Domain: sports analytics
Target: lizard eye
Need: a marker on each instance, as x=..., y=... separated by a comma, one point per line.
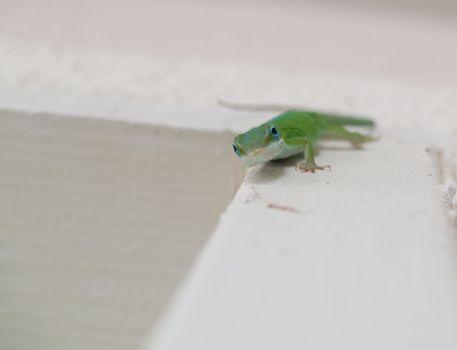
x=236, y=150
x=274, y=133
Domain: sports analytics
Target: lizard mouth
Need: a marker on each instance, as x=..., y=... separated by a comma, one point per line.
x=264, y=154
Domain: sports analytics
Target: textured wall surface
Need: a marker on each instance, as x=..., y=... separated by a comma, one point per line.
x=99, y=221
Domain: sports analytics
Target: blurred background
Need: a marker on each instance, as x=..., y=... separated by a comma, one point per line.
x=356, y=55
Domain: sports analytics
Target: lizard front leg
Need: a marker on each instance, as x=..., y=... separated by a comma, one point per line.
x=309, y=164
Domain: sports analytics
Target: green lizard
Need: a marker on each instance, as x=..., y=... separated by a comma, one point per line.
x=296, y=131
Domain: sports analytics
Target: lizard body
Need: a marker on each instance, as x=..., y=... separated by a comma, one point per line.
x=293, y=132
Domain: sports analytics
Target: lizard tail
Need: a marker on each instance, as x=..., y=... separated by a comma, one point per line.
x=335, y=119
x=344, y=120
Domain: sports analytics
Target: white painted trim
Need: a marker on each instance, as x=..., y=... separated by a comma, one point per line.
x=360, y=257
x=110, y=108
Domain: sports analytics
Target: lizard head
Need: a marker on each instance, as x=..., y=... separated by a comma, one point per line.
x=259, y=144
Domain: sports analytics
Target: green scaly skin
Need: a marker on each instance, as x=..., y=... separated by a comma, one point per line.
x=296, y=131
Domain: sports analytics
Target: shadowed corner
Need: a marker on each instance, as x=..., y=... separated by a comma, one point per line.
x=272, y=170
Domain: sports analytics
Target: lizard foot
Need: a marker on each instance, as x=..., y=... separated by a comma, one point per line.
x=305, y=167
